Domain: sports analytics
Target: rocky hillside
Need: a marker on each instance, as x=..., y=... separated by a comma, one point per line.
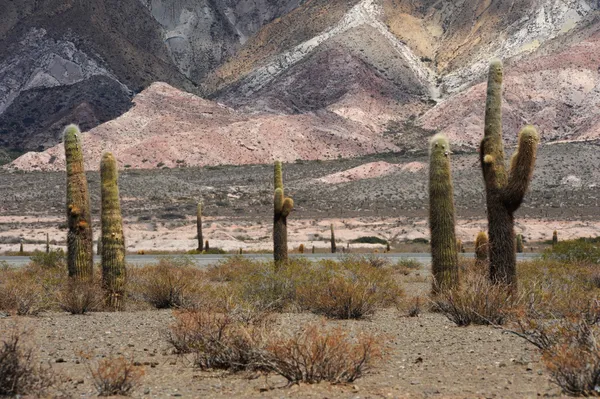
x=288, y=79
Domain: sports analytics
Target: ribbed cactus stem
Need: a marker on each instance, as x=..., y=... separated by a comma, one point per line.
x=481, y=247
x=282, y=206
x=444, y=258
x=504, y=190
x=199, y=226
x=519, y=244
x=79, y=237
x=114, y=273
x=333, y=246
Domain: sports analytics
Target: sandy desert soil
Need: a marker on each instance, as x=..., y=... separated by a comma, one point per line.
x=427, y=356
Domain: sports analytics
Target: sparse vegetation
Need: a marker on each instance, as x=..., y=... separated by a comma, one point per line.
x=115, y=375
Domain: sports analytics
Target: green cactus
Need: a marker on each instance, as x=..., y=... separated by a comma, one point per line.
x=80, y=249
x=199, y=225
x=554, y=238
x=112, y=245
x=282, y=206
x=519, y=244
x=504, y=190
x=459, y=246
x=47, y=243
x=333, y=246
x=313, y=249
x=481, y=247
x=21, y=250
x=206, y=246
x=444, y=258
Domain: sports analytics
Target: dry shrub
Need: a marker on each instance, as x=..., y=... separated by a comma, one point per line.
x=220, y=339
x=30, y=290
x=115, y=375
x=476, y=301
x=172, y=283
x=556, y=289
x=351, y=289
x=318, y=354
x=270, y=289
x=231, y=268
x=18, y=373
x=570, y=348
x=80, y=297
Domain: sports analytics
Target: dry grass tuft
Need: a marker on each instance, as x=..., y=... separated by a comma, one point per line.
x=80, y=297
x=116, y=375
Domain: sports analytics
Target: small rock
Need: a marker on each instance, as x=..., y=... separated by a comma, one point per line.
x=60, y=360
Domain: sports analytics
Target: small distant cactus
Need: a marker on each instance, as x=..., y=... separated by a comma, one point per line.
x=554, y=238
x=313, y=249
x=206, y=246
x=112, y=241
x=504, y=189
x=47, y=243
x=444, y=257
x=301, y=248
x=199, y=225
x=282, y=206
x=21, y=250
x=333, y=246
x=519, y=244
x=481, y=247
x=459, y=246
x=388, y=248
x=80, y=249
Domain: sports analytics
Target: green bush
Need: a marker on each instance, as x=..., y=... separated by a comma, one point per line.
x=583, y=250
x=50, y=260
x=369, y=240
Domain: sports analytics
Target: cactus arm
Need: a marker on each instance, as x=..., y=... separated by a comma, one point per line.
x=492, y=149
x=288, y=205
x=521, y=169
x=278, y=176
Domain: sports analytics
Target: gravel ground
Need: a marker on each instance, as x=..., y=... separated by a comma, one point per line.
x=427, y=356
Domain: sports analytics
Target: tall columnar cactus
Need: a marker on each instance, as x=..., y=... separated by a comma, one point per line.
x=504, y=189
x=444, y=258
x=282, y=207
x=520, y=244
x=554, y=238
x=113, y=241
x=199, y=226
x=47, y=243
x=333, y=246
x=206, y=246
x=481, y=247
x=79, y=237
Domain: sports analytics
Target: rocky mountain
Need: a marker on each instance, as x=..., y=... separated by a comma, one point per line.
x=288, y=79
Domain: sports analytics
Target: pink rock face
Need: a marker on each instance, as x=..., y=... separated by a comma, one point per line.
x=168, y=127
x=559, y=93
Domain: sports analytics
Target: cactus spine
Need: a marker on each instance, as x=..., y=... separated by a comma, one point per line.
x=444, y=258
x=481, y=247
x=504, y=190
x=199, y=225
x=554, y=238
x=519, y=244
x=282, y=206
x=112, y=241
x=333, y=246
x=79, y=237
